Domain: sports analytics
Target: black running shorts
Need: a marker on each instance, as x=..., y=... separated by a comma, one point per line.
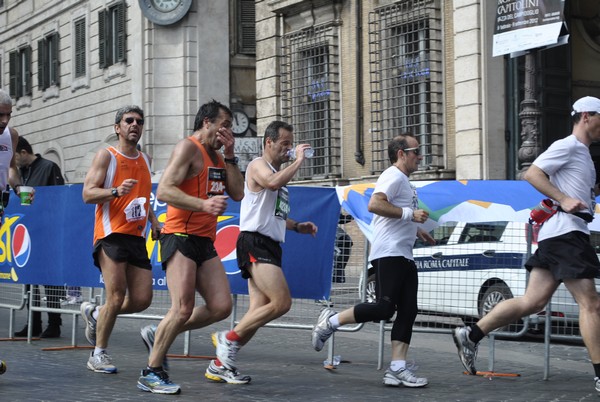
x=196, y=248
x=568, y=256
x=123, y=248
x=255, y=247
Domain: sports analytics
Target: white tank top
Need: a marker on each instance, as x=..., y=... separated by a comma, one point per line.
x=265, y=211
x=6, y=154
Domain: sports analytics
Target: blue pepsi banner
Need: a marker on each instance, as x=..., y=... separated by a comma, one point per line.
x=50, y=242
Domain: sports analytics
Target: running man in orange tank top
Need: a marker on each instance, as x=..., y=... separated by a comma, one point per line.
x=119, y=183
x=193, y=185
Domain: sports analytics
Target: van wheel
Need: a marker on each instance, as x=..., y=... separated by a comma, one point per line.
x=493, y=295
x=371, y=293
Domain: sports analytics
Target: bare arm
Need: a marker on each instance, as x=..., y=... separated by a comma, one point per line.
x=538, y=179
x=154, y=224
x=379, y=205
x=14, y=178
x=178, y=169
x=301, y=227
x=263, y=177
x=235, y=179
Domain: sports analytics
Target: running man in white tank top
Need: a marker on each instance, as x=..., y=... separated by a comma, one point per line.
x=264, y=218
x=9, y=174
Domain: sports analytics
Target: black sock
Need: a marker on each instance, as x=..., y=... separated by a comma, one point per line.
x=155, y=369
x=597, y=369
x=476, y=334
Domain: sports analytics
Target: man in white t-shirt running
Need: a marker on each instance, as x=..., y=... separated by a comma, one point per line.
x=394, y=204
x=565, y=173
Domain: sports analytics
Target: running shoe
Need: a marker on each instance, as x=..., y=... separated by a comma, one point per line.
x=87, y=309
x=101, y=363
x=467, y=349
x=322, y=331
x=597, y=382
x=403, y=377
x=157, y=383
x=221, y=374
x=148, y=333
x=226, y=350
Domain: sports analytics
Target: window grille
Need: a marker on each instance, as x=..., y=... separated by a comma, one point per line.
x=310, y=95
x=405, y=56
x=112, y=35
x=48, y=63
x=80, y=48
x=20, y=72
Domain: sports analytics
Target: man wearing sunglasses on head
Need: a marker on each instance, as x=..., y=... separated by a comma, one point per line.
x=396, y=216
x=119, y=183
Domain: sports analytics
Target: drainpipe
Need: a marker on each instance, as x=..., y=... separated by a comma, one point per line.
x=358, y=152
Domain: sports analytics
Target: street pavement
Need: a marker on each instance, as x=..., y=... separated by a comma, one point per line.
x=284, y=367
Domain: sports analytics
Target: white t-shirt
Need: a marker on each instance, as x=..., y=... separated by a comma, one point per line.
x=569, y=165
x=265, y=211
x=394, y=237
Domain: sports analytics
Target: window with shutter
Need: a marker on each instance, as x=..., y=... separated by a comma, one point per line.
x=13, y=71
x=80, y=48
x=246, y=33
x=48, y=61
x=20, y=72
x=112, y=36
x=102, y=40
x=26, y=65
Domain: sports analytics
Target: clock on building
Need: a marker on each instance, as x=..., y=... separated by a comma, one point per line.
x=240, y=122
x=165, y=12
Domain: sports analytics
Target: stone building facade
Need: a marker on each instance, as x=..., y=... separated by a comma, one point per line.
x=69, y=65
x=348, y=74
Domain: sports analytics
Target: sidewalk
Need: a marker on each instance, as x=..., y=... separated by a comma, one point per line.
x=284, y=367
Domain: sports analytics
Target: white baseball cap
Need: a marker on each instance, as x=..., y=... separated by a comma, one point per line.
x=586, y=104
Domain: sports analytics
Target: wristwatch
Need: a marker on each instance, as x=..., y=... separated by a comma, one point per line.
x=232, y=161
x=115, y=192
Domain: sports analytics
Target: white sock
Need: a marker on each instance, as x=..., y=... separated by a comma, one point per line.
x=334, y=320
x=95, y=313
x=98, y=350
x=396, y=365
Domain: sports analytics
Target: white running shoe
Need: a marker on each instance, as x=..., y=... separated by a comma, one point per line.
x=467, y=349
x=322, y=331
x=403, y=377
x=222, y=374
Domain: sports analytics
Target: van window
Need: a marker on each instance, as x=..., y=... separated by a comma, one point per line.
x=482, y=232
x=441, y=234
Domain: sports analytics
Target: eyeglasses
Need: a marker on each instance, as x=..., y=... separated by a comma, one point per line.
x=415, y=150
x=130, y=120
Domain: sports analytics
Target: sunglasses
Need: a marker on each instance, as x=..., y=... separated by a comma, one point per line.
x=130, y=120
x=415, y=150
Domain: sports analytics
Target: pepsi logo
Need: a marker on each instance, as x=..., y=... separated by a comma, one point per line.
x=21, y=245
x=225, y=243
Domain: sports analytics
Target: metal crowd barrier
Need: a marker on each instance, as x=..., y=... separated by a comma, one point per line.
x=450, y=282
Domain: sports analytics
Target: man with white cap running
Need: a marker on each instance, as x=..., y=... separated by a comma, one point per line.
x=565, y=173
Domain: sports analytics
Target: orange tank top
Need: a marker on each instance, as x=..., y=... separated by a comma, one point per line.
x=127, y=214
x=210, y=181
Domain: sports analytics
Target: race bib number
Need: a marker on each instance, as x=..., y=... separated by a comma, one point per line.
x=216, y=181
x=282, y=206
x=135, y=210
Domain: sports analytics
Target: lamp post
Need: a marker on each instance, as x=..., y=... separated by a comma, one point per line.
x=529, y=116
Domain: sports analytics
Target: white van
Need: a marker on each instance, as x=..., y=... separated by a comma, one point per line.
x=474, y=266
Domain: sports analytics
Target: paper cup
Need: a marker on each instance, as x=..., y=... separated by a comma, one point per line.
x=25, y=194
